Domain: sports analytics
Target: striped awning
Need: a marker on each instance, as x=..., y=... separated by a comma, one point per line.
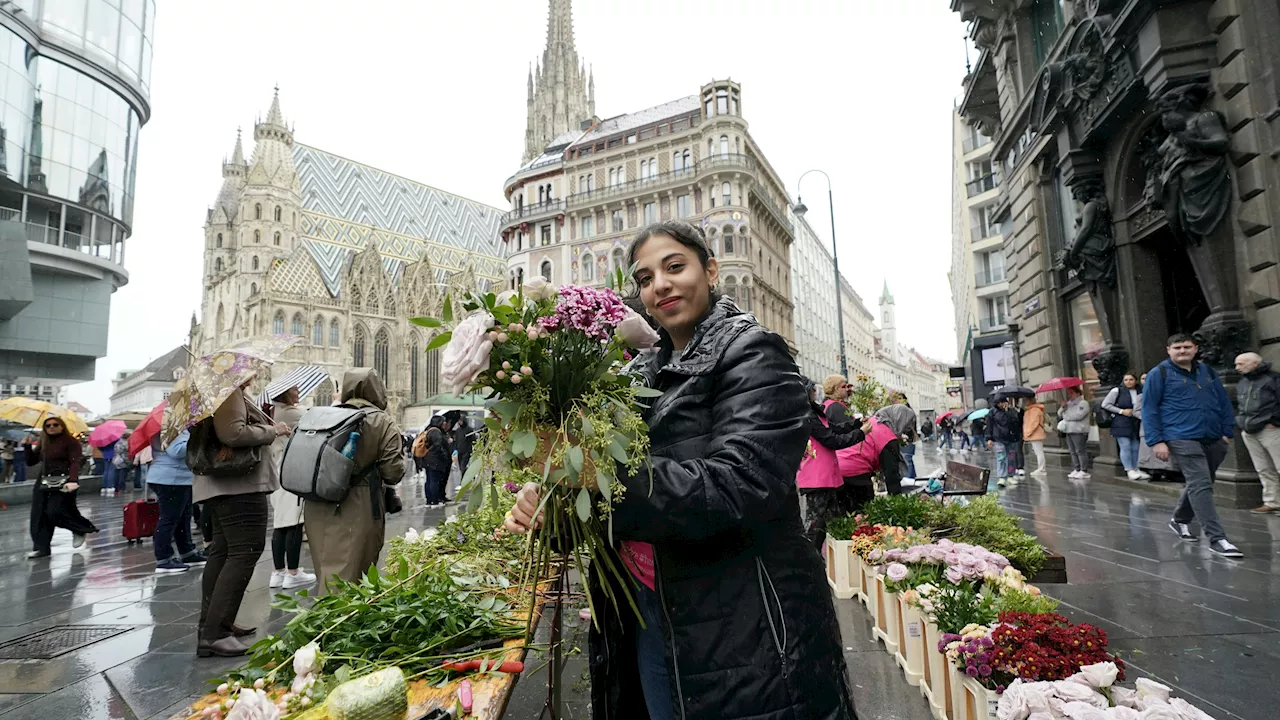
x=306, y=378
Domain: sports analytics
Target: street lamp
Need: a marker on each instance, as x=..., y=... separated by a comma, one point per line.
x=800, y=210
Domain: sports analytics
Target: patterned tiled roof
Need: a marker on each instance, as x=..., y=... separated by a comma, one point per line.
x=346, y=205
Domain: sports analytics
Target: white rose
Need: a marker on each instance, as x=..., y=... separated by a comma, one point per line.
x=1037, y=696
x=1160, y=711
x=1188, y=711
x=467, y=353
x=253, y=705
x=539, y=289
x=636, y=331
x=1124, y=697
x=1082, y=711
x=1068, y=692
x=307, y=660
x=1100, y=675
x=1013, y=703
x=1120, y=712
x=1149, y=688
x=506, y=297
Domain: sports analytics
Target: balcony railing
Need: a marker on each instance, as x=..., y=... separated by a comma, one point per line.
x=983, y=278
x=980, y=233
x=709, y=164
x=971, y=144
x=768, y=203
x=528, y=212
x=981, y=185
x=988, y=325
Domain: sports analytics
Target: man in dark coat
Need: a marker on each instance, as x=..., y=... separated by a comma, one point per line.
x=1258, y=400
x=1006, y=430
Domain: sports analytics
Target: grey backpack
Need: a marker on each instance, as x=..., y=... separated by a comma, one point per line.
x=313, y=466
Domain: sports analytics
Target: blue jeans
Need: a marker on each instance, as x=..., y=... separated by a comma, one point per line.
x=1128, y=452
x=944, y=439
x=1002, y=459
x=1199, y=460
x=979, y=441
x=909, y=456
x=651, y=654
x=174, y=524
x=19, y=467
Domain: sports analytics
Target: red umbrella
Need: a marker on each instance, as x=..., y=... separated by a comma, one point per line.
x=147, y=429
x=1059, y=383
x=945, y=415
x=107, y=433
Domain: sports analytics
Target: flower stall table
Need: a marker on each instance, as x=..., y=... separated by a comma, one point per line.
x=938, y=688
x=840, y=569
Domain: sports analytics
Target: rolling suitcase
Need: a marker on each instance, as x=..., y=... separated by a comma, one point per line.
x=140, y=517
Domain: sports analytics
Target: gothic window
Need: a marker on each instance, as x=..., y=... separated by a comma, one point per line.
x=390, y=304
x=357, y=347
x=373, y=303
x=335, y=335
x=355, y=301
x=724, y=144
x=277, y=324
x=433, y=372
x=278, y=213
x=257, y=236
x=257, y=211
x=415, y=363
x=217, y=265
x=219, y=239
x=222, y=321
x=253, y=262
x=295, y=327
x=253, y=289
x=726, y=192
x=618, y=261
x=317, y=332
x=728, y=240
x=324, y=394
x=277, y=239
x=588, y=267
x=545, y=270
x=381, y=352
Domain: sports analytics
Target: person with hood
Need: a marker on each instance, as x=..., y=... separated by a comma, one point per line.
x=346, y=537
x=53, y=499
x=819, y=477
x=1075, y=426
x=237, y=509
x=1005, y=432
x=902, y=420
x=1258, y=400
x=1034, y=431
x=286, y=508
x=738, y=620
x=1125, y=405
x=438, y=460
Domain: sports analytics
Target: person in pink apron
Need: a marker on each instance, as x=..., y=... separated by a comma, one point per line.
x=821, y=485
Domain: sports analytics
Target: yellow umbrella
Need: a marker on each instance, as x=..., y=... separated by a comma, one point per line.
x=33, y=413
x=210, y=380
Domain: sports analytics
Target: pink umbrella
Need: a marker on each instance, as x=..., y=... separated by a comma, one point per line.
x=1059, y=383
x=107, y=433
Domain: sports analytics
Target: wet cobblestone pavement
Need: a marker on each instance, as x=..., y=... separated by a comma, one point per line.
x=1205, y=625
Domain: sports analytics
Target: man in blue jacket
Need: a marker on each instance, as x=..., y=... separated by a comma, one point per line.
x=1186, y=413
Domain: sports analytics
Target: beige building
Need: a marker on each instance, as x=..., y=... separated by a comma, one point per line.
x=301, y=241
x=859, y=332
x=578, y=202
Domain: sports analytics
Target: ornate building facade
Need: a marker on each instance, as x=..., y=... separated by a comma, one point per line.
x=304, y=242
x=578, y=200
x=1137, y=141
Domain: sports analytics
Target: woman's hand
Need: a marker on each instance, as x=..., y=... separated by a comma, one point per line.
x=520, y=519
x=282, y=430
x=866, y=426
x=70, y=487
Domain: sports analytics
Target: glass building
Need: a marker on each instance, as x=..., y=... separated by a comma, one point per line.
x=74, y=93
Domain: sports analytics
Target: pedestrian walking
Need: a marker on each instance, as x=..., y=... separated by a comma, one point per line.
x=19, y=463
x=1125, y=405
x=109, y=469
x=1034, y=430
x=713, y=576
x=1005, y=431
x=237, y=509
x=1074, y=425
x=1258, y=400
x=438, y=460
x=978, y=429
x=463, y=438
x=945, y=427
x=819, y=477
x=122, y=464
x=170, y=479
x=346, y=537
x=1186, y=414
x=53, y=495
x=286, y=508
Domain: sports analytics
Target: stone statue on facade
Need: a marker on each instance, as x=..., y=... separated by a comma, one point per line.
x=1092, y=254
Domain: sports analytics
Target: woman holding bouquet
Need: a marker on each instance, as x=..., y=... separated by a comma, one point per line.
x=737, y=618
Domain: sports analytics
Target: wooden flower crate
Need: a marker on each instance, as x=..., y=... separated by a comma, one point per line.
x=840, y=568
x=937, y=689
x=911, y=643
x=886, y=616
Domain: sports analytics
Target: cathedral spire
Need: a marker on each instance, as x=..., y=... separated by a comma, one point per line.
x=273, y=115
x=237, y=155
x=560, y=24
x=561, y=90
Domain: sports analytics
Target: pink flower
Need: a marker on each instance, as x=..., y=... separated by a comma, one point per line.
x=954, y=575
x=467, y=353
x=636, y=331
x=896, y=572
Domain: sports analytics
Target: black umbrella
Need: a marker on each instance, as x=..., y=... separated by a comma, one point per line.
x=1014, y=391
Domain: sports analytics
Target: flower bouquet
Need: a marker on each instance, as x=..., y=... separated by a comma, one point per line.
x=1028, y=647
x=1091, y=694
x=564, y=415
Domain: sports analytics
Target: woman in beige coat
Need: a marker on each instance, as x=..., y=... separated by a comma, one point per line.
x=237, y=507
x=286, y=508
x=346, y=537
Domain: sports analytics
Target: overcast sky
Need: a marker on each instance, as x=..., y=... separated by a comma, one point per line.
x=435, y=91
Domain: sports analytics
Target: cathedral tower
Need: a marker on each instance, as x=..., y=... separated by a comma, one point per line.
x=561, y=93
x=888, y=325
x=271, y=197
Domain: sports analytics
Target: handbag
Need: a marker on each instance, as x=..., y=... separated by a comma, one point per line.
x=207, y=455
x=53, y=483
x=1062, y=426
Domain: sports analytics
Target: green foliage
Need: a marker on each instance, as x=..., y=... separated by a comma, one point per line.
x=911, y=511
x=1010, y=600
x=956, y=606
x=867, y=395
x=983, y=522
x=841, y=528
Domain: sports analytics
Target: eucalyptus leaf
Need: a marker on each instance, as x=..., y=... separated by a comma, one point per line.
x=574, y=456
x=439, y=341
x=446, y=313
x=602, y=481
x=473, y=469
x=523, y=443
x=647, y=392
x=587, y=428
x=583, y=504
x=427, y=322
x=616, y=450
x=476, y=499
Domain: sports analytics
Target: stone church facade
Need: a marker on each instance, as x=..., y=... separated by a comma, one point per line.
x=300, y=241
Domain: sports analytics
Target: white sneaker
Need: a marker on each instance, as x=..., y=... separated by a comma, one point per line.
x=1143, y=476
x=1040, y=471
x=301, y=579
x=1074, y=474
x=1001, y=482
x=1022, y=472
x=277, y=578
x=103, y=492
x=1134, y=475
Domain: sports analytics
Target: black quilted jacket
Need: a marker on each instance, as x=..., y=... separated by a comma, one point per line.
x=750, y=626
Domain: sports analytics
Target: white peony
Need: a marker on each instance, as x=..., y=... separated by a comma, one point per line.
x=1151, y=689
x=1160, y=711
x=253, y=705
x=539, y=289
x=1187, y=711
x=1124, y=697
x=306, y=663
x=1013, y=703
x=1083, y=711
x=411, y=536
x=1120, y=712
x=467, y=353
x=1067, y=691
x=1100, y=675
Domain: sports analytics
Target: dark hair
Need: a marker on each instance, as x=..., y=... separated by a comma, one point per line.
x=682, y=232
x=1181, y=337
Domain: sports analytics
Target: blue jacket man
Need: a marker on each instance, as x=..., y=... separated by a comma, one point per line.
x=1186, y=413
